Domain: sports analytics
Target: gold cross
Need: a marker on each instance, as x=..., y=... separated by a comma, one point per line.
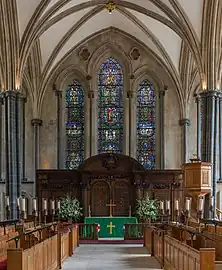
x=111, y=226
x=110, y=204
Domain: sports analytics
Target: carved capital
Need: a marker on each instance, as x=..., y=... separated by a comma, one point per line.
x=130, y=94
x=10, y=93
x=21, y=97
x=163, y=92
x=184, y=122
x=90, y=94
x=36, y=122
x=58, y=93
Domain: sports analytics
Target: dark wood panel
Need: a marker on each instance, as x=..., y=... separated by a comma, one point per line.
x=121, y=198
x=100, y=199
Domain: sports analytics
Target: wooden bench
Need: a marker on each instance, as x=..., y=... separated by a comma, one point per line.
x=173, y=254
x=48, y=253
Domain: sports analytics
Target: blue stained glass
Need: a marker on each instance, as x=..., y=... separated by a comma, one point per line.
x=110, y=107
x=75, y=125
x=146, y=125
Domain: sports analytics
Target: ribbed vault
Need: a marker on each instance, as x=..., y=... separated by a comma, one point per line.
x=183, y=34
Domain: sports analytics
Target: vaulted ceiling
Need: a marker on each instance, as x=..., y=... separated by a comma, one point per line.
x=161, y=25
x=185, y=34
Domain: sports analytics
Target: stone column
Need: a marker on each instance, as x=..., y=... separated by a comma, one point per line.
x=220, y=138
x=20, y=114
x=91, y=97
x=209, y=134
x=58, y=94
x=215, y=155
x=198, y=102
x=130, y=97
x=162, y=137
x=36, y=123
x=1, y=135
x=10, y=100
x=184, y=123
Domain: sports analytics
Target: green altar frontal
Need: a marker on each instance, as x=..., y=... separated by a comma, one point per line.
x=110, y=227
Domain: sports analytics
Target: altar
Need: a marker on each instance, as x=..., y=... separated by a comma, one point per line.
x=110, y=227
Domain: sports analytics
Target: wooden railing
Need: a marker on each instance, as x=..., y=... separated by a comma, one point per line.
x=88, y=231
x=49, y=254
x=133, y=231
x=173, y=254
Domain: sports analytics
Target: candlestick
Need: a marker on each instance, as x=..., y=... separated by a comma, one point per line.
x=23, y=204
x=188, y=204
x=45, y=204
x=7, y=201
x=176, y=206
x=18, y=203
x=167, y=205
x=161, y=205
x=34, y=204
x=52, y=204
x=200, y=204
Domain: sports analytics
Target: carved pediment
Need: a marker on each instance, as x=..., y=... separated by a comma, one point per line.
x=110, y=162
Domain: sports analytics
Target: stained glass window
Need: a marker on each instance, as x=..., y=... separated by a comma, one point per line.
x=75, y=125
x=110, y=107
x=146, y=125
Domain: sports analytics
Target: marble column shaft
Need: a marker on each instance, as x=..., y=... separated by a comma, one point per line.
x=198, y=102
x=130, y=97
x=36, y=123
x=220, y=138
x=12, y=188
x=20, y=114
x=162, y=137
x=184, y=123
x=58, y=94
x=90, y=96
x=1, y=133
x=210, y=130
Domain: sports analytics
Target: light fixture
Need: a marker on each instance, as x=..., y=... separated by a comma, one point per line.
x=110, y=6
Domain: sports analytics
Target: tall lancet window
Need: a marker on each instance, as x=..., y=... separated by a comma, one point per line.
x=110, y=107
x=146, y=124
x=75, y=125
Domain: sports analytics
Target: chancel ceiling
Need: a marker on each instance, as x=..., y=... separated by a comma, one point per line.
x=184, y=34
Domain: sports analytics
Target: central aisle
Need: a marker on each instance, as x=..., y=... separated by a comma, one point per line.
x=100, y=257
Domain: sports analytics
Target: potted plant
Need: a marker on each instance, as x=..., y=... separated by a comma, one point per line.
x=147, y=209
x=70, y=209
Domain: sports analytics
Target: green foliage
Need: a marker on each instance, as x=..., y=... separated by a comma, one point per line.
x=70, y=209
x=147, y=209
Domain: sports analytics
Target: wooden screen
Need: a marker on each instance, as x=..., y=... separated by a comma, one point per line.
x=100, y=198
x=121, y=197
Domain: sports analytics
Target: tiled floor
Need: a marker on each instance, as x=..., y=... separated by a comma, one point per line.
x=118, y=257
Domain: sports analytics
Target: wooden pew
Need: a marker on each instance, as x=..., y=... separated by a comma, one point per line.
x=52, y=248
x=173, y=254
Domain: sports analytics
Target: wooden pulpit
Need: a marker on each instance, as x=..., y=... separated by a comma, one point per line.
x=197, y=182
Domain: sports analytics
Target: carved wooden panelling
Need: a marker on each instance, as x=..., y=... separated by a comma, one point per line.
x=121, y=198
x=100, y=199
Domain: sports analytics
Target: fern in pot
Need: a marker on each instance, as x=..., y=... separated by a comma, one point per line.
x=70, y=209
x=147, y=209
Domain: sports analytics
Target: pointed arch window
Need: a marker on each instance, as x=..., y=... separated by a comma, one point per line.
x=110, y=107
x=146, y=124
x=75, y=125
